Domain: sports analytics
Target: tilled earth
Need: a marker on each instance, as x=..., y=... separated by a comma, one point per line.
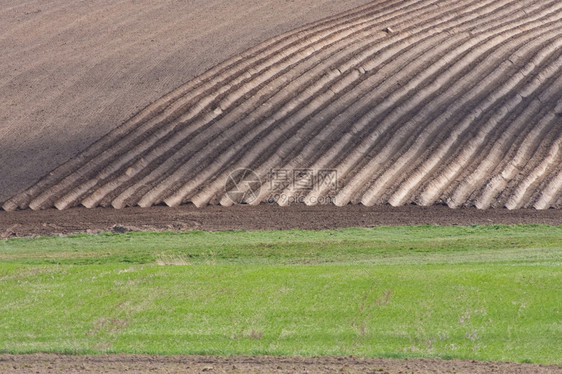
x=28, y=223
x=72, y=71
x=50, y=363
x=398, y=102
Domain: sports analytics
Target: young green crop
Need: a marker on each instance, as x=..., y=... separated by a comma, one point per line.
x=482, y=292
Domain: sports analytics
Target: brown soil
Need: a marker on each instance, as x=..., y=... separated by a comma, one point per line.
x=262, y=217
x=459, y=105
x=43, y=363
x=72, y=71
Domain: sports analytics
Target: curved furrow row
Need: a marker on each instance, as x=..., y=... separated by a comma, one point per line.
x=132, y=150
x=516, y=128
x=295, y=81
x=438, y=125
x=168, y=106
x=524, y=190
x=279, y=113
x=551, y=192
x=359, y=156
x=488, y=157
x=537, y=138
x=421, y=101
x=551, y=134
x=504, y=123
x=373, y=86
x=360, y=151
x=403, y=177
x=383, y=82
x=292, y=123
x=233, y=90
x=548, y=178
x=431, y=190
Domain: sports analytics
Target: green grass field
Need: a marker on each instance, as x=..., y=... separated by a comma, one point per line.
x=479, y=292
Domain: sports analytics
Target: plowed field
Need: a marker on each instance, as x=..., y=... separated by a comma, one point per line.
x=394, y=102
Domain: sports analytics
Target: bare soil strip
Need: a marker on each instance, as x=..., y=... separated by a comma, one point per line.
x=263, y=217
x=51, y=363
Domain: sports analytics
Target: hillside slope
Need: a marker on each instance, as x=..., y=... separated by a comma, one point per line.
x=455, y=102
x=71, y=71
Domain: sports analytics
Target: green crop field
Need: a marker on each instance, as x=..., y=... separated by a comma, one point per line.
x=478, y=292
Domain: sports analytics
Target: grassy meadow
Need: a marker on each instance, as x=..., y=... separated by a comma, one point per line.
x=477, y=292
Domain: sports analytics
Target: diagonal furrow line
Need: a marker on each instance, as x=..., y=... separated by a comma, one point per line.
x=352, y=105
x=229, y=118
x=431, y=193
x=165, y=188
x=509, y=133
x=428, y=133
x=358, y=150
x=405, y=190
x=361, y=150
x=458, y=103
x=272, y=67
x=116, y=141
